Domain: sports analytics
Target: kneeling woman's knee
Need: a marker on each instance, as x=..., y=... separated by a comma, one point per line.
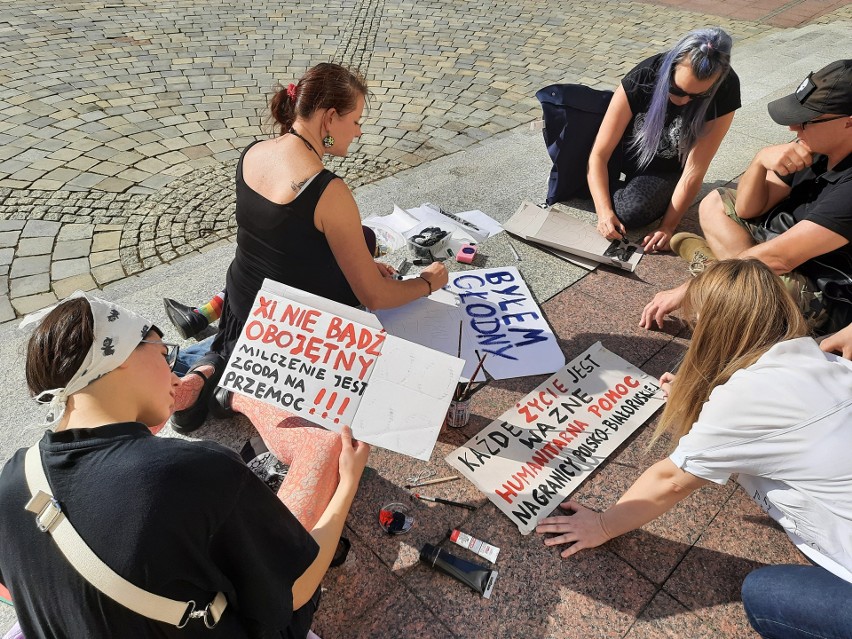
x=711, y=207
x=752, y=587
x=329, y=442
x=643, y=200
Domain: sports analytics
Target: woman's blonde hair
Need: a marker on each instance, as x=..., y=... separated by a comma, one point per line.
x=739, y=309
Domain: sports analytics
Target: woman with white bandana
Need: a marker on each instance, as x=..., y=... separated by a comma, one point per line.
x=182, y=520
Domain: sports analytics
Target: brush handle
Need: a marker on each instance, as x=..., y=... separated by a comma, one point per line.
x=447, y=502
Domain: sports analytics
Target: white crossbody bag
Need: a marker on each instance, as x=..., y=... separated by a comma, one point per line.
x=51, y=520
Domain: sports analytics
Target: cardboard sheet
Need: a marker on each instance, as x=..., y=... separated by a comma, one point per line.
x=554, y=228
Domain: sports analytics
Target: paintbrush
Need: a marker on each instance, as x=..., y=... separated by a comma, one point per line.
x=478, y=388
x=439, y=480
x=446, y=502
x=457, y=393
x=514, y=252
x=464, y=394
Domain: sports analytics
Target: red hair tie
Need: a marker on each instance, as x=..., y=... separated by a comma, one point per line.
x=291, y=92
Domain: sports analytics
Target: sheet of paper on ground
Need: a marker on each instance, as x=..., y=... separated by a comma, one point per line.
x=555, y=228
x=394, y=229
x=335, y=365
x=539, y=451
x=498, y=317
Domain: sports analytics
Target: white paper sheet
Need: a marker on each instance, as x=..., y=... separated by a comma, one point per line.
x=467, y=227
x=410, y=390
x=482, y=221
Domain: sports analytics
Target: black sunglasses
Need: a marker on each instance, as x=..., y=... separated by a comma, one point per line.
x=818, y=121
x=675, y=90
x=171, y=353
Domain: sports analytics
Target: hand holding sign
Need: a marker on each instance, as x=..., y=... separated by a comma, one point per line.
x=353, y=457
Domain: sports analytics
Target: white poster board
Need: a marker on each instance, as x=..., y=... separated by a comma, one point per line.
x=498, y=318
x=541, y=450
x=335, y=366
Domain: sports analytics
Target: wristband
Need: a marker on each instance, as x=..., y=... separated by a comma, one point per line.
x=428, y=283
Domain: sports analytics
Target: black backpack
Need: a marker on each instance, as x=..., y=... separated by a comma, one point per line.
x=572, y=116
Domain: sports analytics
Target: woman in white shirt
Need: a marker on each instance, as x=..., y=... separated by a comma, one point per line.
x=758, y=398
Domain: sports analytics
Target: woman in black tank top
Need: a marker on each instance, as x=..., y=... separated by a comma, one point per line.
x=297, y=223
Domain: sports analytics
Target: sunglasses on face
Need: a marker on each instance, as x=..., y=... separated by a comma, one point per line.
x=171, y=353
x=818, y=121
x=675, y=90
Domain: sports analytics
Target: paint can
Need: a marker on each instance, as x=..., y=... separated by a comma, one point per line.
x=458, y=414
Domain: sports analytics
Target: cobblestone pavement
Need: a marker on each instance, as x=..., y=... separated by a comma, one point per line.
x=120, y=123
x=778, y=13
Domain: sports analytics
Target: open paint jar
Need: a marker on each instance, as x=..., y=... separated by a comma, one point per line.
x=458, y=413
x=394, y=519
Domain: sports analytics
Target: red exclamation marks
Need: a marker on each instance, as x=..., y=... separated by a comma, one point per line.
x=317, y=400
x=330, y=403
x=328, y=406
x=342, y=408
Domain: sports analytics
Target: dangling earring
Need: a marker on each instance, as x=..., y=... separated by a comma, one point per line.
x=328, y=141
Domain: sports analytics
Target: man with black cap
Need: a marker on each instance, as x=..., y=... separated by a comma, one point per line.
x=793, y=207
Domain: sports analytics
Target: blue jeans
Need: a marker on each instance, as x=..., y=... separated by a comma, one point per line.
x=189, y=355
x=798, y=602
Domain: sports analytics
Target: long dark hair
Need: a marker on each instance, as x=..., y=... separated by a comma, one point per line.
x=324, y=86
x=59, y=344
x=708, y=52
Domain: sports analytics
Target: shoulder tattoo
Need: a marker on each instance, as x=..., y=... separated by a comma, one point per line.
x=297, y=186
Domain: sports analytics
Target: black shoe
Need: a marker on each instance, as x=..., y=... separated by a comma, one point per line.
x=186, y=319
x=189, y=419
x=220, y=404
x=341, y=553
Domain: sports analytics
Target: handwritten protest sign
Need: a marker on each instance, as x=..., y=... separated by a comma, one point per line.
x=498, y=317
x=540, y=451
x=335, y=366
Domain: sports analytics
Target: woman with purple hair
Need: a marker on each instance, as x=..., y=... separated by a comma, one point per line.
x=661, y=130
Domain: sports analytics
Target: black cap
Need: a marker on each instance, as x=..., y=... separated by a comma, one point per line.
x=828, y=90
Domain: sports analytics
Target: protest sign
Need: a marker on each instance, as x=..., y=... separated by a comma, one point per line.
x=539, y=451
x=335, y=366
x=498, y=318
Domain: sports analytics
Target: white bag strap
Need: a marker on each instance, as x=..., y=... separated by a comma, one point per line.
x=51, y=520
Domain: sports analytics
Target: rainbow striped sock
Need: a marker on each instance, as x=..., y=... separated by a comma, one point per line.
x=212, y=310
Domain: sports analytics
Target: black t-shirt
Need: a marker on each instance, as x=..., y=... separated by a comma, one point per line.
x=638, y=84
x=182, y=520
x=823, y=197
